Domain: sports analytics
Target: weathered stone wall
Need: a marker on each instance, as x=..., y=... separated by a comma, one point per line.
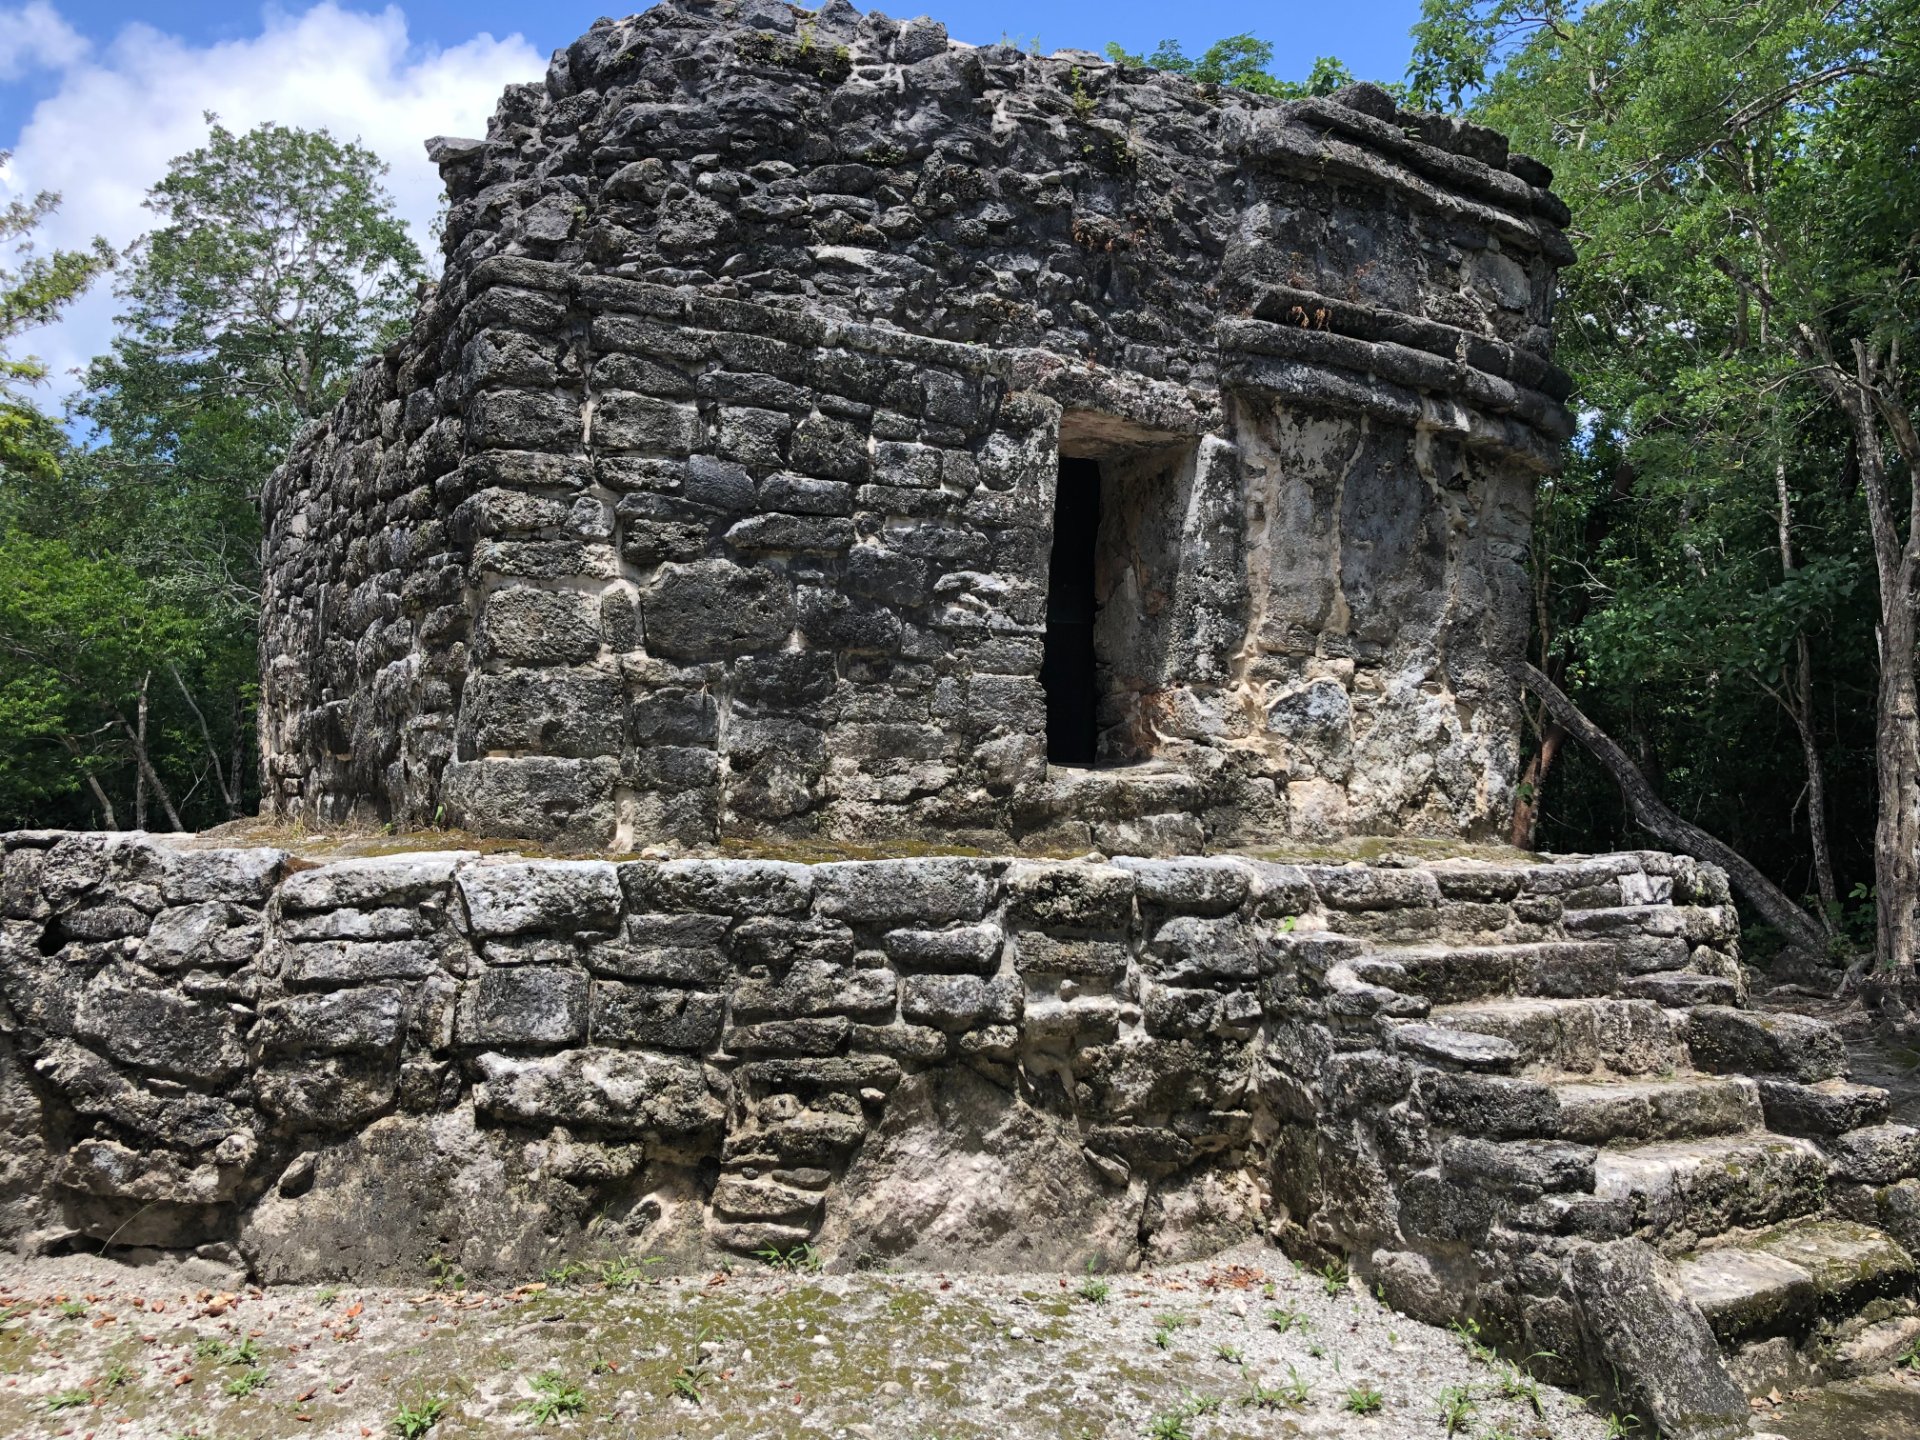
x=1007, y=1058
x=712, y=491
x=1527, y=1094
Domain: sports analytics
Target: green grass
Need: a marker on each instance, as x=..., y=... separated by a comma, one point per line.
x=68, y=1400
x=247, y=1383
x=1456, y=1410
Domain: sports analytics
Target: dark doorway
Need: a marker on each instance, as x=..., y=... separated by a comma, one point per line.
x=1067, y=664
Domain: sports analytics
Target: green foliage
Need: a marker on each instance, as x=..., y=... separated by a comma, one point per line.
x=131, y=560
x=1363, y=1400
x=554, y=1398
x=1240, y=62
x=410, y=1422
x=1741, y=176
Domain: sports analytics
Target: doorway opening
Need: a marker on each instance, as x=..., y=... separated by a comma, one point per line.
x=1067, y=666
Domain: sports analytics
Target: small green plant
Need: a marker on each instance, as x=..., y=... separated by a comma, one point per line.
x=410, y=1422
x=444, y=1274
x=220, y=1352
x=1172, y=1425
x=1093, y=1289
x=1468, y=1333
x=1619, y=1427
x=571, y=1273
x=1204, y=1404
x=1334, y=1277
x=1293, y=1394
x=554, y=1398
x=1456, y=1410
x=1517, y=1384
x=325, y=1296
x=686, y=1384
x=118, y=1375
x=1285, y=1319
x=1083, y=102
x=68, y=1400
x=1910, y=1357
x=1232, y=1354
x=246, y=1383
x=626, y=1274
x=803, y=1258
x=1363, y=1400
x=73, y=1309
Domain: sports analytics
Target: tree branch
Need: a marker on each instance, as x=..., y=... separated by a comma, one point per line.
x=1651, y=815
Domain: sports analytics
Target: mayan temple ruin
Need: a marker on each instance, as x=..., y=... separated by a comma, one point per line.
x=903, y=570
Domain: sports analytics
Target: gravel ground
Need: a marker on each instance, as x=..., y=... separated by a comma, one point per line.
x=1243, y=1345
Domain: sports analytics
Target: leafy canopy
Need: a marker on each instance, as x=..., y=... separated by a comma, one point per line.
x=1241, y=62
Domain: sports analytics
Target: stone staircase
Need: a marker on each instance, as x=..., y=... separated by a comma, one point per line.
x=1613, y=1162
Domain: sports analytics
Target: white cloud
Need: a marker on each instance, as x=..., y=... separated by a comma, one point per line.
x=34, y=36
x=123, y=111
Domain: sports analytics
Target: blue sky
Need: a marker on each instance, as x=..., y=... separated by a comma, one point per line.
x=1370, y=35
x=96, y=96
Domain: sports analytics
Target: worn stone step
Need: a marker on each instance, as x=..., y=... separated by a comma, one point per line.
x=1630, y=1037
x=1450, y=974
x=1590, y=1111
x=1681, y=1192
x=1681, y=1107
x=1821, y=1110
x=1780, y=1280
x=1681, y=989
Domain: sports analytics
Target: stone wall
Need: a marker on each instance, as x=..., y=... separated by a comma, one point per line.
x=1527, y=1094
x=712, y=491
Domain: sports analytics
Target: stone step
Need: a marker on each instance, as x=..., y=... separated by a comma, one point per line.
x=1629, y=1037
x=1779, y=1281
x=1683, y=1192
x=1682, y=1107
x=1590, y=1111
x=1680, y=989
x=1450, y=974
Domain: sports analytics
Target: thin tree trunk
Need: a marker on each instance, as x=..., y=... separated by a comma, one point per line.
x=140, y=743
x=145, y=763
x=1526, y=802
x=1800, y=710
x=108, y=820
x=230, y=795
x=1657, y=820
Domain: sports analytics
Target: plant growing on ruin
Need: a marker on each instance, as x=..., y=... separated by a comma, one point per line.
x=1363, y=1400
x=68, y=1400
x=802, y=1258
x=247, y=1383
x=410, y=1422
x=1285, y=1320
x=1456, y=1409
x=1171, y=1425
x=1232, y=1354
x=1334, y=1277
x=554, y=1398
x=118, y=1375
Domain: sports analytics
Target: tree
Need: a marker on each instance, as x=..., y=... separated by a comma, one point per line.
x=128, y=633
x=34, y=289
x=1239, y=61
x=1747, y=204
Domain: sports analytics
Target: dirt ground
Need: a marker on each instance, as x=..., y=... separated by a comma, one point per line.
x=1243, y=1345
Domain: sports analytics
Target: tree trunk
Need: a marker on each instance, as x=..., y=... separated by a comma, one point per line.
x=229, y=795
x=139, y=773
x=1651, y=815
x=1526, y=801
x=1799, y=687
x=1896, y=835
x=108, y=820
x=145, y=762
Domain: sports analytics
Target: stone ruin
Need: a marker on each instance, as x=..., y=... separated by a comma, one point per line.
x=824, y=430
x=826, y=433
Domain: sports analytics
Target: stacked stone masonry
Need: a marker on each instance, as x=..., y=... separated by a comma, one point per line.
x=712, y=492
x=1530, y=1095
